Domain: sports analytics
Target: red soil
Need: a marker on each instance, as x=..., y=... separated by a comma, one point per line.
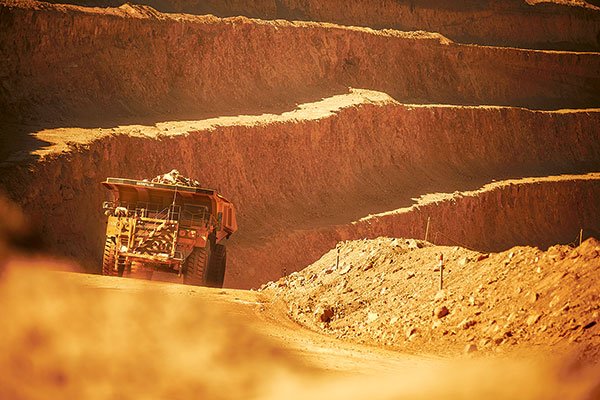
x=387, y=292
x=75, y=66
x=561, y=25
x=90, y=93
x=368, y=154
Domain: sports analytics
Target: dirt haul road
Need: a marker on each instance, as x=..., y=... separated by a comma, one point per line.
x=82, y=336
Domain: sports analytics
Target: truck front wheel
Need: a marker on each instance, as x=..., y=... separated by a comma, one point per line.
x=195, y=266
x=108, y=259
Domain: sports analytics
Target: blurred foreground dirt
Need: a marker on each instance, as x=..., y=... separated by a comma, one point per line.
x=70, y=335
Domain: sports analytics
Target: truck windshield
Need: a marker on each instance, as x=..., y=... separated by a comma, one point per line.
x=194, y=215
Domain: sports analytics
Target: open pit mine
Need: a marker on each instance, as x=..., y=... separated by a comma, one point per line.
x=408, y=193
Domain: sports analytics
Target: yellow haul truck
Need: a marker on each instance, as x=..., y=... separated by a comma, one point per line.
x=167, y=227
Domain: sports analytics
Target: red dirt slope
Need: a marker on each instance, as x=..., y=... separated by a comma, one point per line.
x=529, y=211
x=90, y=67
x=348, y=156
x=561, y=25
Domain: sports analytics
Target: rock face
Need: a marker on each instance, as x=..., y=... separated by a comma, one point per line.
x=143, y=65
x=479, y=307
x=513, y=23
x=367, y=154
x=345, y=164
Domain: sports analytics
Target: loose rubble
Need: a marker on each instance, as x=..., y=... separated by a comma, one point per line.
x=174, y=178
x=385, y=292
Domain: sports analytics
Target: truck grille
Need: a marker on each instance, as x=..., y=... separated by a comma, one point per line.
x=154, y=237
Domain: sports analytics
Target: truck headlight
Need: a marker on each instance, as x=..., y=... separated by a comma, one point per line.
x=190, y=233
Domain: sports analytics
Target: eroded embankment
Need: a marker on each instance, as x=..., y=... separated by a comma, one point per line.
x=507, y=23
x=514, y=23
x=531, y=211
x=68, y=66
x=328, y=163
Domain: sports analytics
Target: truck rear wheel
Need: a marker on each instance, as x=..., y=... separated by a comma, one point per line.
x=216, y=268
x=195, y=266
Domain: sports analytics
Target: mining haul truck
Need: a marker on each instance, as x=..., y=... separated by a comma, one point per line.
x=167, y=227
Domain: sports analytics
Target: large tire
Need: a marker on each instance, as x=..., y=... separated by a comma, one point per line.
x=108, y=259
x=216, y=267
x=195, y=267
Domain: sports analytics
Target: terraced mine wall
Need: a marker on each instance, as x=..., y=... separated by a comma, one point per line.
x=507, y=23
x=305, y=179
x=316, y=172
x=82, y=67
x=496, y=217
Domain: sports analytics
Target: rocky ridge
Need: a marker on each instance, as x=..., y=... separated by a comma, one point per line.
x=386, y=292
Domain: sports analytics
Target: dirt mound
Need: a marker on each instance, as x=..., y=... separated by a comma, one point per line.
x=493, y=218
x=387, y=292
x=562, y=25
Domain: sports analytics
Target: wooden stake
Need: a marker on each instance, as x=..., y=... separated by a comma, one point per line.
x=441, y=271
x=337, y=260
x=580, y=236
x=427, y=229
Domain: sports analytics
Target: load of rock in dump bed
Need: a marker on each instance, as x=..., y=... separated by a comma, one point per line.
x=174, y=178
x=387, y=292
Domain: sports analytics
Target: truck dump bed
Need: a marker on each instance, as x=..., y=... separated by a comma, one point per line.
x=156, y=197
